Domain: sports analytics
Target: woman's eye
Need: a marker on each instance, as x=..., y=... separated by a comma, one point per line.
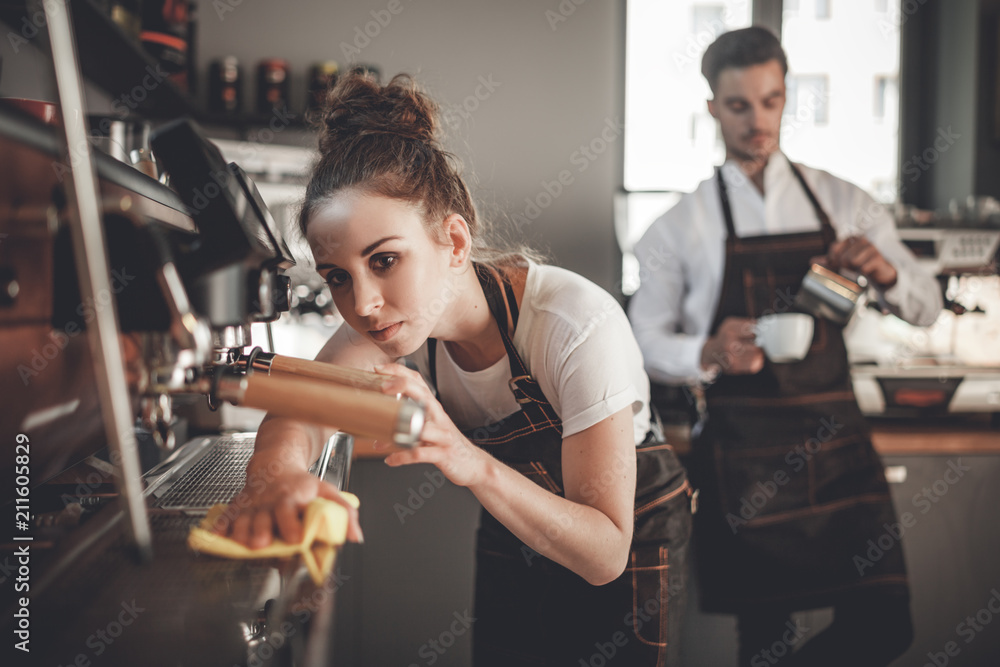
x=384, y=262
x=336, y=278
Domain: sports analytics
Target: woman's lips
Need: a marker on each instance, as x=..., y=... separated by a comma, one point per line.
x=385, y=334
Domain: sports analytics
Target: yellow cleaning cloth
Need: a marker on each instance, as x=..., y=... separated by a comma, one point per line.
x=324, y=529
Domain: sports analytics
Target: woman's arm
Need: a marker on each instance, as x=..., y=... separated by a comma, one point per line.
x=279, y=485
x=589, y=531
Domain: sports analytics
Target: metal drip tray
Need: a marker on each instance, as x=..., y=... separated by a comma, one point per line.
x=211, y=470
x=215, y=477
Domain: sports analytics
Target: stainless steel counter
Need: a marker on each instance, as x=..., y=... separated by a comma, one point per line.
x=92, y=601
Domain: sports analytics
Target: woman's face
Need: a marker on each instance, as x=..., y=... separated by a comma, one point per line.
x=389, y=279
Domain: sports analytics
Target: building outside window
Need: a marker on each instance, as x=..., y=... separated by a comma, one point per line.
x=886, y=97
x=806, y=99
x=848, y=136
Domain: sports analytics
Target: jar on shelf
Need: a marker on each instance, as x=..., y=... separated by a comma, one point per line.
x=272, y=85
x=225, y=86
x=322, y=77
x=164, y=36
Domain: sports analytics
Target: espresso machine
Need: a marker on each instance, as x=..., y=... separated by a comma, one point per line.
x=121, y=299
x=952, y=368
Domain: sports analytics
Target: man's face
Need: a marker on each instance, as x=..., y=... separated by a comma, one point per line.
x=748, y=104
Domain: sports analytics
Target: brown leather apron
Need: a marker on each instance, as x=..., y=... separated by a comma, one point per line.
x=530, y=610
x=792, y=489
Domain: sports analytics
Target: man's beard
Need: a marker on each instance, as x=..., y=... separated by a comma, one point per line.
x=757, y=156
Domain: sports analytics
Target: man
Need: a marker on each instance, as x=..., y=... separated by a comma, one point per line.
x=791, y=487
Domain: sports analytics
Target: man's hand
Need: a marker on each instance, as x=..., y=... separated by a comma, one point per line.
x=858, y=254
x=732, y=349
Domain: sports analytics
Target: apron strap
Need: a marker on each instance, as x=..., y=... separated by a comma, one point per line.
x=524, y=387
x=432, y=363
x=826, y=228
x=494, y=298
x=727, y=212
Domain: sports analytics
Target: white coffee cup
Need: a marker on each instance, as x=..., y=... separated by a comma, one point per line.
x=784, y=337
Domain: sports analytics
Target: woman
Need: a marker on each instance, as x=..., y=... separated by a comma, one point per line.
x=533, y=386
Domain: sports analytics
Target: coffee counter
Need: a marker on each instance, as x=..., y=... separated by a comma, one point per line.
x=975, y=434
x=972, y=435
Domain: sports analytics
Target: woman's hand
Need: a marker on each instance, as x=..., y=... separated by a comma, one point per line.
x=441, y=442
x=276, y=501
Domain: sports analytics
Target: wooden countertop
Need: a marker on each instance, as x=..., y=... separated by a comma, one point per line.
x=967, y=435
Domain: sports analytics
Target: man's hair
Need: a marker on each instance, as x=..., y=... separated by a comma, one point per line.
x=741, y=48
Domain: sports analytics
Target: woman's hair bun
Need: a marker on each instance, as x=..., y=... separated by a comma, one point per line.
x=358, y=106
x=384, y=140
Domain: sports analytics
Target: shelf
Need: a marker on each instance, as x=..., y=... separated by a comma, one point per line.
x=120, y=67
x=111, y=60
x=18, y=126
x=295, y=119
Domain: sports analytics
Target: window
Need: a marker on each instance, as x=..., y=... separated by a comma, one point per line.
x=833, y=111
x=806, y=100
x=707, y=19
x=670, y=140
x=886, y=98
x=856, y=101
x=672, y=144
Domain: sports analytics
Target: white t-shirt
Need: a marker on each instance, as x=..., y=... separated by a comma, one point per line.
x=578, y=345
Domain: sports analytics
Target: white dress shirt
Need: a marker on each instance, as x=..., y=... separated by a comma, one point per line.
x=682, y=257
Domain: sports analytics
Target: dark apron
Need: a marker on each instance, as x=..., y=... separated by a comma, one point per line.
x=792, y=489
x=531, y=611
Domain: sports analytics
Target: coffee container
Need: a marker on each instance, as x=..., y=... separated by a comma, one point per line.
x=225, y=86
x=272, y=85
x=322, y=77
x=164, y=36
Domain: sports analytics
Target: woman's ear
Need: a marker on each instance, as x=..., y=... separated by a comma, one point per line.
x=458, y=239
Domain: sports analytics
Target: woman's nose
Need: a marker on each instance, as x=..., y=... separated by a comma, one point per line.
x=367, y=298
